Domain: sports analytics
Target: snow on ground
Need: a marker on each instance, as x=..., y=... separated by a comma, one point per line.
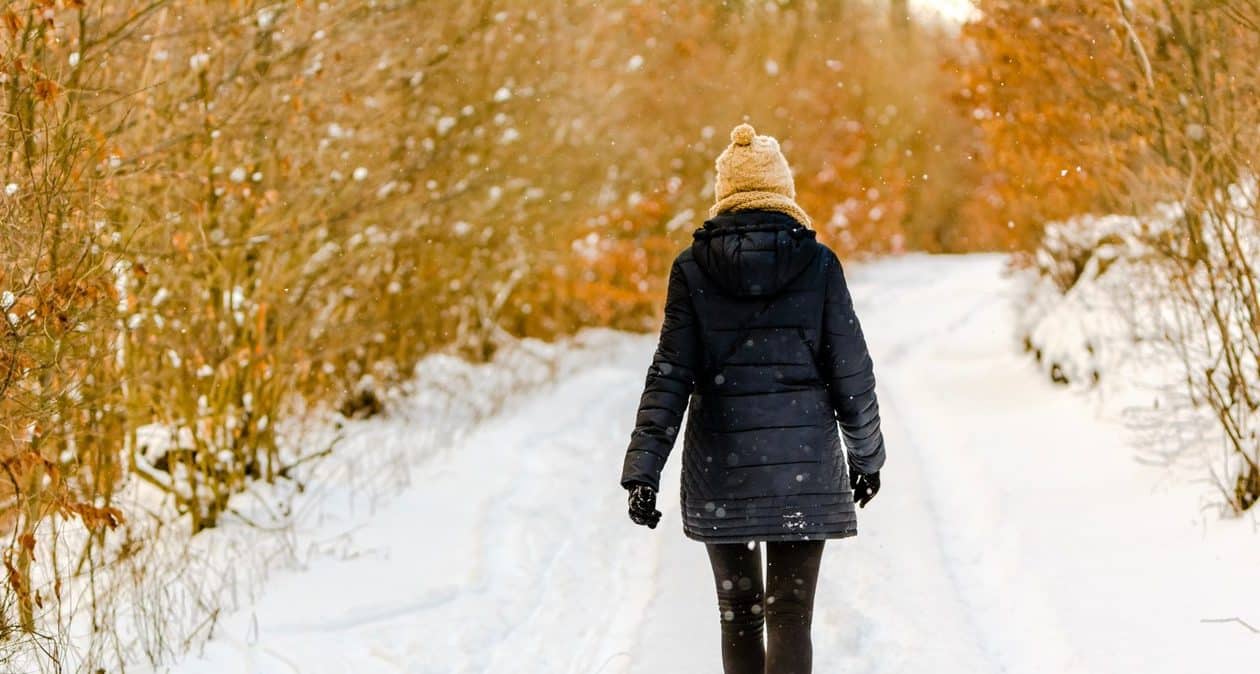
x=1015, y=532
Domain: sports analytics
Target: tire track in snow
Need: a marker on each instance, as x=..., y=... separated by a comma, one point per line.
x=548, y=465
x=979, y=550
x=901, y=557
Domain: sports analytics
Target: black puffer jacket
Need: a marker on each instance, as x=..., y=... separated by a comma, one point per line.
x=760, y=337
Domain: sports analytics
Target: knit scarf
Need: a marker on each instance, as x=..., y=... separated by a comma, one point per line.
x=737, y=202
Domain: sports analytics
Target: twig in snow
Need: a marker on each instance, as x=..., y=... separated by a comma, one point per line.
x=1235, y=619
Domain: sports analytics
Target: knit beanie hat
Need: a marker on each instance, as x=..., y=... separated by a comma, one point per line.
x=752, y=175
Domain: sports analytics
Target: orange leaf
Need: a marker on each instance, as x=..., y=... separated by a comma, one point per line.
x=46, y=90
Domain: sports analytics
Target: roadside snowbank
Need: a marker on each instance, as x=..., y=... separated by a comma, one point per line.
x=173, y=588
x=1125, y=308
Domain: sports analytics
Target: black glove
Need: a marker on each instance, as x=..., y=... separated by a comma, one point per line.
x=865, y=487
x=643, y=510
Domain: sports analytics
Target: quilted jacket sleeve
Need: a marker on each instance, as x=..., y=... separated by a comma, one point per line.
x=849, y=374
x=670, y=381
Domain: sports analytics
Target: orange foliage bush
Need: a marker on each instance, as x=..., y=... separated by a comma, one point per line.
x=1051, y=87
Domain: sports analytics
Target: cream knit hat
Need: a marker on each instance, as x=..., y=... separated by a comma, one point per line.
x=752, y=174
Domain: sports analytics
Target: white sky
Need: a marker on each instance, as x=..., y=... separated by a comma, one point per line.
x=955, y=11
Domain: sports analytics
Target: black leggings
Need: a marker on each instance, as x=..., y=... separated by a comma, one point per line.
x=786, y=602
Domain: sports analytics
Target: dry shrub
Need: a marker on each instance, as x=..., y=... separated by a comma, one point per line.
x=1052, y=93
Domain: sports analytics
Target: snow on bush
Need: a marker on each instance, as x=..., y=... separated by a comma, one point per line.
x=1158, y=314
x=1078, y=313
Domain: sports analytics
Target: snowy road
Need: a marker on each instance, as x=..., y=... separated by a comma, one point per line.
x=1015, y=533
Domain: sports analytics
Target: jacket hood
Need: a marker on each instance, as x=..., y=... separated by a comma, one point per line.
x=753, y=253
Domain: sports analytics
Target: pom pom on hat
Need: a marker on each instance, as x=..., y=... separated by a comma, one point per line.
x=752, y=163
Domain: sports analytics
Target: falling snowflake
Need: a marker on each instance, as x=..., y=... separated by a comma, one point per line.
x=197, y=62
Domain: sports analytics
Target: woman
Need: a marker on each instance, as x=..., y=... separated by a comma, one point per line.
x=761, y=339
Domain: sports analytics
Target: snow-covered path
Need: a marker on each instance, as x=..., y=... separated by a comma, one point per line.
x=1015, y=533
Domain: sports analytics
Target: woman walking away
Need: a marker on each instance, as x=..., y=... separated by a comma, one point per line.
x=761, y=340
